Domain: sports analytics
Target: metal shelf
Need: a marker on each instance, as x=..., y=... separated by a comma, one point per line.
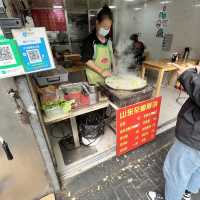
x=76, y=113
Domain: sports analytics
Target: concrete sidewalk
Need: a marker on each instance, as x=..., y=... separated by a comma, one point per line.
x=126, y=178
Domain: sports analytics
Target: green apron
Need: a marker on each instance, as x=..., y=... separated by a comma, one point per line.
x=102, y=59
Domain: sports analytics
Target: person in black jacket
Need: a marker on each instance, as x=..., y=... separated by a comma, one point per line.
x=137, y=49
x=182, y=165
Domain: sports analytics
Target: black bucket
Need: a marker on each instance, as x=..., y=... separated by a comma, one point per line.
x=92, y=125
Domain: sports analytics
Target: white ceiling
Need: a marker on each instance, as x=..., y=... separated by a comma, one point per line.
x=81, y=5
x=77, y=3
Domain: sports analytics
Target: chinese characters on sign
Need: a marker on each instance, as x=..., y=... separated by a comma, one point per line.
x=137, y=124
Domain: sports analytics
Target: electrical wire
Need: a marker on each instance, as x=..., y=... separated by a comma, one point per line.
x=65, y=140
x=58, y=127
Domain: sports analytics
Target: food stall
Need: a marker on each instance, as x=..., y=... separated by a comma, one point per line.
x=112, y=98
x=71, y=115
x=77, y=125
x=80, y=123
x=83, y=125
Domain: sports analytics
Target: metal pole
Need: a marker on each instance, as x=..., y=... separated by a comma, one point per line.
x=67, y=24
x=89, y=26
x=25, y=93
x=88, y=11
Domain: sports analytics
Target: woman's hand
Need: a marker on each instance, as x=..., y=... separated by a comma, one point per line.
x=98, y=70
x=106, y=74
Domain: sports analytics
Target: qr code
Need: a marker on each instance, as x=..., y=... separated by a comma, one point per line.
x=6, y=53
x=34, y=56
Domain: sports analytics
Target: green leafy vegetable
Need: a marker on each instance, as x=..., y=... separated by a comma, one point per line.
x=65, y=105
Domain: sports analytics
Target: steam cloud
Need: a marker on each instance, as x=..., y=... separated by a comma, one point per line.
x=122, y=18
x=124, y=22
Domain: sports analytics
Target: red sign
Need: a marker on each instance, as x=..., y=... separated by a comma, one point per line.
x=137, y=124
x=53, y=20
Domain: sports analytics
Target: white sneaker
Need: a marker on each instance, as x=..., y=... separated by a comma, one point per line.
x=91, y=142
x=187, y=196
x=154, y=196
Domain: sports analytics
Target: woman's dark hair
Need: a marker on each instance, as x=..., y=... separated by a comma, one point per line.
x=105, y=13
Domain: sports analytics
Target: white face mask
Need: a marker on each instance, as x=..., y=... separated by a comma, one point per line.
x=103, y=31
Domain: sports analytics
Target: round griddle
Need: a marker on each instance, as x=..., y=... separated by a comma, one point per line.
x=119, y=89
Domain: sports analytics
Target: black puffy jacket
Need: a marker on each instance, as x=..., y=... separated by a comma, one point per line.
x=188, y=122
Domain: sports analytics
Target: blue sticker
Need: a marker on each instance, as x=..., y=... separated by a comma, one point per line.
x=35, y=57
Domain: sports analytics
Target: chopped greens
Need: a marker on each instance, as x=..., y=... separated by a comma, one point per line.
x=65, y=105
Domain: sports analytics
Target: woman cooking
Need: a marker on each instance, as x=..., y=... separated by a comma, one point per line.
x=97, y=53
x=97, y=50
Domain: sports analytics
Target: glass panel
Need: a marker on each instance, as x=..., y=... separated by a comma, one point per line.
x=96, y=4
x=78, y=27
x=164, y=26
x=76, y=6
